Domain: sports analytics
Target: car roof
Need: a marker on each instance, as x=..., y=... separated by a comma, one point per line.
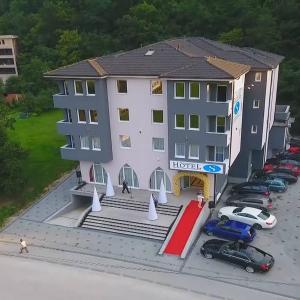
x=251, y=210
x=236, y=224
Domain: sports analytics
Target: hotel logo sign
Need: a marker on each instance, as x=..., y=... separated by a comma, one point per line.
x=196, y=167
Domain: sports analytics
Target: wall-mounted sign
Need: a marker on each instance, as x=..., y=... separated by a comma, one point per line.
x=236, y=107
x=196, y=167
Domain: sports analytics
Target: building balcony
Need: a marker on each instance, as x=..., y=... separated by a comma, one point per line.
x=218, y=108
x=64, y=127
x=282, y=117
x=217, y=138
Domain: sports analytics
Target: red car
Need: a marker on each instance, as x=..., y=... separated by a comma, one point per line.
x=285, y=168
x=292, y=167
x=294, y=149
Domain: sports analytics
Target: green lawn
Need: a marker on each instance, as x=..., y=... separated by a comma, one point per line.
x=43, y=165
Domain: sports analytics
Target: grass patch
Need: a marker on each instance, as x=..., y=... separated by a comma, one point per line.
x=38, y=135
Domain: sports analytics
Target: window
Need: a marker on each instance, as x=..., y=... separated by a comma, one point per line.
x=125, y=141
x=124, y=114
x=68, y=116
x=122, y=86
x=99, y=174
x=221, y=93
x=84, y=142
x=90, y=87
x=217, y=153
x=93, y=116
x=254, y=129
x=194, y=90
x=194, y=123
x=81, y=116
x=6, y=51
x=156, y=87
x=65, y=86
x=179, y=90
x=180, y=150
x=158, y=144
x=157, y=116
x=128, y=174
x=96, y=143
x=220, y=154
x=179, y=121
x=78, y=87
x=194, y=152
x=220, y=124
x=70, y=141
x=156, y=177
x=258, y=76
x=256, y=103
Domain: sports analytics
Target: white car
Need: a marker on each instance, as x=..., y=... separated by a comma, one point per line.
x=249, y=215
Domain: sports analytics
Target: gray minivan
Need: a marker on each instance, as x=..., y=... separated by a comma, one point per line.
x=250, y=200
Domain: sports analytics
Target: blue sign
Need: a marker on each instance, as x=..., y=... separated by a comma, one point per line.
x=236, y=108
x=212, y=168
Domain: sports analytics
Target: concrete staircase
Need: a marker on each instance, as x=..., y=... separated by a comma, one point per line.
x=127, y=227
x=169, y=210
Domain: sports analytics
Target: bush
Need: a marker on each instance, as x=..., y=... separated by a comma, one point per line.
x=6, y=212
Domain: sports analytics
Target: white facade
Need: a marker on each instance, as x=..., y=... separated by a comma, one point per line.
x=140, y=157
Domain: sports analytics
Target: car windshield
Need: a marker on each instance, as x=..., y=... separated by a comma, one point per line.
x=237, y=210
x=264, y=215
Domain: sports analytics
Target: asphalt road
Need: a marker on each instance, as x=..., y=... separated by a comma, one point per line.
x=30, y=279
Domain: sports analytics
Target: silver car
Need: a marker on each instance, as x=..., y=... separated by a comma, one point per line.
x=250, y=200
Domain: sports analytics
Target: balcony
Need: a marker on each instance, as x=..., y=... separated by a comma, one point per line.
x=64, y=127
x=217, y=138
x=218, y=108
x=68, y=152
x=61, y=101
x=282, y=116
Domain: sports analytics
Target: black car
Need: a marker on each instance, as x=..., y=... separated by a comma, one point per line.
x=251, y=188
x=288, y=155
x=290, y=161
x=282, y=170
x=284, y=176
x=250, y=258
x=250, y=200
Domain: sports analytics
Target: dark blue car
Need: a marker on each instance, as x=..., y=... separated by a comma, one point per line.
x=232, y=230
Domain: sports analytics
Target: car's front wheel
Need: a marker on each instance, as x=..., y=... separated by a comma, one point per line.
x=257, y=226
x=207, y=255
x=224, y=218
x=249, y=269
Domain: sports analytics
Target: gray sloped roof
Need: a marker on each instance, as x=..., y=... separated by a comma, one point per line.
x=175, y=58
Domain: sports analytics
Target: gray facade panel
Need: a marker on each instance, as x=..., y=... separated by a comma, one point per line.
x=203, y=109
x=277, y=139
x=99, y=102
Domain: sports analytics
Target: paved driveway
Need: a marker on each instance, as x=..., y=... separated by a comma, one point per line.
x=128, y=256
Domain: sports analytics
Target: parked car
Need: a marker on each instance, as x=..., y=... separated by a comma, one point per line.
x=251, y=187
x=284, y=176
x=250, y=200
x=231, y=230
x=272, y=160
x=276, y=185
x=283, y=169
x=252, y=259
x=295, y=169
x=290, y=161
x=249, y=215
x=287, y=155
x=294, y=149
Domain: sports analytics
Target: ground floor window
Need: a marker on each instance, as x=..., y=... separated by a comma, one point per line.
x=156, y=178
x=98, y=174
x=129, y=175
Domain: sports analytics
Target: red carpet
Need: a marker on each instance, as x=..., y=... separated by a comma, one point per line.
x=183, y=229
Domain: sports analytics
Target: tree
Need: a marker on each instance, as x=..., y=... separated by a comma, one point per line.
x=11, y=156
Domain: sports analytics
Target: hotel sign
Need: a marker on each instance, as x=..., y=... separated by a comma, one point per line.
x=196, y=167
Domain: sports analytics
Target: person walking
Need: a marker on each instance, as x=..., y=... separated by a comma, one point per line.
x=23, y=246
x=125, y=187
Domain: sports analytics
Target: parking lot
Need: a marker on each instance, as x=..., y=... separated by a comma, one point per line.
x=129, y=256
x=282, y=242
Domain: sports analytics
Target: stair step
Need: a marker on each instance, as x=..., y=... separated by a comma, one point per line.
x=125, y=221
x=129, y=226
x=145, y=232
x=126, y=233
x=163, y=212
